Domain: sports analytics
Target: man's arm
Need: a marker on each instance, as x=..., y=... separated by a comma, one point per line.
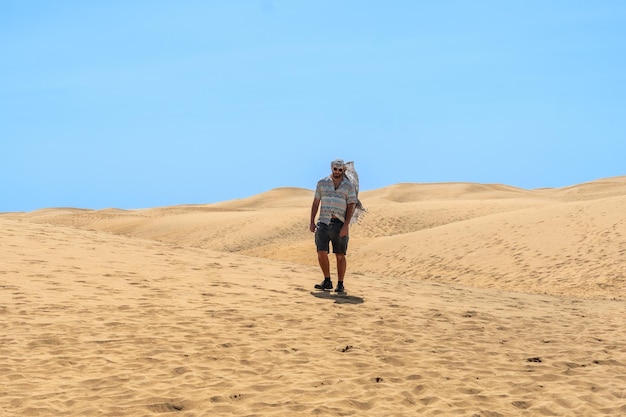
x=346, y=224
x=314, y=207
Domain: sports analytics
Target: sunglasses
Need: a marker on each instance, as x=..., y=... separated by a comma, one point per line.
x=338, y=169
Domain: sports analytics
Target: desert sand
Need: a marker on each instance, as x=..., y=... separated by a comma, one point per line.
x=463, y=300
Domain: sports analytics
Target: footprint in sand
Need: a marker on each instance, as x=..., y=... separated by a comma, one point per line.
x=166, y=407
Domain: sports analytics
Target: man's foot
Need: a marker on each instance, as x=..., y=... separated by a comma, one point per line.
x=327, y=284
x=340, y=287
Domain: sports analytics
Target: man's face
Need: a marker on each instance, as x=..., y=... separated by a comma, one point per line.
x=337, y=172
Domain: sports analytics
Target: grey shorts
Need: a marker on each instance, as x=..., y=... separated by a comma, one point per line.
x=326, y=233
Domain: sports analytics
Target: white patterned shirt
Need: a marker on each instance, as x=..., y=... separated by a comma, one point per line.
x=334, y=202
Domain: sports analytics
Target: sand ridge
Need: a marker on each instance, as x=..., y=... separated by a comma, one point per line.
x=568, y=241
x=463, y=300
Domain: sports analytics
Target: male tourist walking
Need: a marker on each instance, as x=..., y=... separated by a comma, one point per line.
x=337, y=197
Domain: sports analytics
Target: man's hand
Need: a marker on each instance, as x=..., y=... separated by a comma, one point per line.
x=344, y=230
x=312, y=227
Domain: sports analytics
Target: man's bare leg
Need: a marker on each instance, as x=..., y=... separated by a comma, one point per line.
x=341, y=266
x=322, y=257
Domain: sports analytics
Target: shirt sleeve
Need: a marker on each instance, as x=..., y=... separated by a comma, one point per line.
x=318, y=191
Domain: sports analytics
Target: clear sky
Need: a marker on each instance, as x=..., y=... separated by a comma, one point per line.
x=144, y=103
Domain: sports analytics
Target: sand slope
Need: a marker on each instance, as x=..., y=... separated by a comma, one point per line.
x=569, y=241
x=464, y=299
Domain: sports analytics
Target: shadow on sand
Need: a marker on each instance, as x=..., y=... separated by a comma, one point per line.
x=338, y=298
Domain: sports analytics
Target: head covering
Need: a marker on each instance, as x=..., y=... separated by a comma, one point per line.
x=338, y=163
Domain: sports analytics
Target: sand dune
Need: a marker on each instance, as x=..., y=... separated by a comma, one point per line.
x=464, y=299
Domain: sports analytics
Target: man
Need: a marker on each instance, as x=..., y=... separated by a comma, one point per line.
x=337, y=197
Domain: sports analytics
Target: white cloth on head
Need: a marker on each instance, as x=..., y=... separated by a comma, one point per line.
x=351, y=174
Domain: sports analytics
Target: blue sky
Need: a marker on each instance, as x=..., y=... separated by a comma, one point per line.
x=134, y=104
